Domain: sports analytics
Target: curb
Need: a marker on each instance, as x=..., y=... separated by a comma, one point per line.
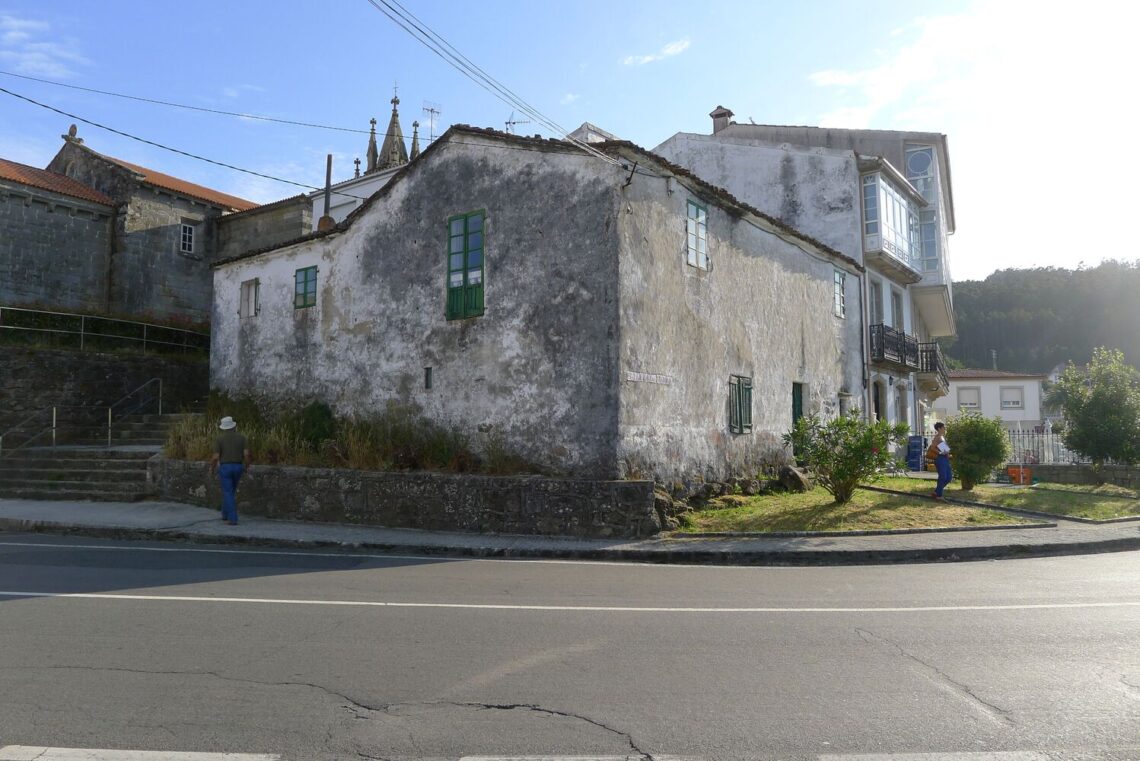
x=776, y=557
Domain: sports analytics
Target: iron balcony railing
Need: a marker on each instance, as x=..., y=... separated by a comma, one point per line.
x=891, y=345
x=66, y=330
x=930, y=360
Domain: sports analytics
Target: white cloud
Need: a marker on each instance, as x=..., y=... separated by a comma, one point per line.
x=23, y=50
x=569, y=98
x=1021, y=97
x=671, y=49
x=235, y=91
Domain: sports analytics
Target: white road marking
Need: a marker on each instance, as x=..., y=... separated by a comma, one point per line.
x=562, y=608
x=1016, y=755
x=32, y=753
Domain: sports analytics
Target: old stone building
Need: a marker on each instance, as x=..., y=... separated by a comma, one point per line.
x=95, y=233
x=606, y=314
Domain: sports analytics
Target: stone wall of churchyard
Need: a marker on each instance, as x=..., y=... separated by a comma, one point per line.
x=1120, y=475
x=429, y=501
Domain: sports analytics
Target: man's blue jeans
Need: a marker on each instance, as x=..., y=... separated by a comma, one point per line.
x=945, y=475
x=230, y=474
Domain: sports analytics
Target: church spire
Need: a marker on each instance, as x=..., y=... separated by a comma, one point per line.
x=370, y=167
x=393, y=153
x=415, y=141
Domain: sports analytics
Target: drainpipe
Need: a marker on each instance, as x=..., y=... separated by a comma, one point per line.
x=865, y=347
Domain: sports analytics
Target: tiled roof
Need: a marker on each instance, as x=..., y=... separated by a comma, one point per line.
x=968, y=373
x=45, y=180
x=199, y=192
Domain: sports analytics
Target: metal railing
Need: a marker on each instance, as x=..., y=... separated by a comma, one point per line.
x=80, y=423
x=1041, y=448
x=79, y=331
x=930, y=360
x=892, y=345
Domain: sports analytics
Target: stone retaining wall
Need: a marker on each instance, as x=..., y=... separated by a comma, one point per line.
x=1083, y=474
x=431, y=501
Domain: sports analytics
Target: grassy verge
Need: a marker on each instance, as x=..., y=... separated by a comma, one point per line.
x=1096, y=503
x=816, y=511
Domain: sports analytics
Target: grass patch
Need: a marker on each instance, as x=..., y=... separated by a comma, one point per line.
x=1096, y=503
x=816, y=511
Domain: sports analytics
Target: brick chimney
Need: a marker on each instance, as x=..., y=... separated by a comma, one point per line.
x=720, y=116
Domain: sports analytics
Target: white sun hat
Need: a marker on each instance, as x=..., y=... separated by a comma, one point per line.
x=227, y=423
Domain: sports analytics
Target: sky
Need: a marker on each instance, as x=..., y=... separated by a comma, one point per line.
x=1025, y=91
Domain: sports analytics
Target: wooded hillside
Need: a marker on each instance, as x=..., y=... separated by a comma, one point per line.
x=1039, y=317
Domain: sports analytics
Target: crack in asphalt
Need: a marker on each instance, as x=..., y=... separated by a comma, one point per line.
x=357, y=707
x=997, y=713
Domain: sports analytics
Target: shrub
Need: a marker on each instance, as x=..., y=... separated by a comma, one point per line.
x=844, y=451
x=977, y=445
x=316, y=423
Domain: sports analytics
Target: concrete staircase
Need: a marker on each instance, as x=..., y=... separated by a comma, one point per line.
x=88, y=472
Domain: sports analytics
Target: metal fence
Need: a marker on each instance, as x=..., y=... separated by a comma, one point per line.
x=1035, y=448
x=77, y=331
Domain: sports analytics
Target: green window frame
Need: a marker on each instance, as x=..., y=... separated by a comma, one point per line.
x=466, y=238
x=740, y=404
x=697, y=233
x=305, y=287
x=797, y=402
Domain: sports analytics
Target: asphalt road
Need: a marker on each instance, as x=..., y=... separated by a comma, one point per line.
x=310, y=655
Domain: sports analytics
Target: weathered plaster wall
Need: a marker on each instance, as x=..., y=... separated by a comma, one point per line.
x=814, y=190
x=53, y=249
x=763, y=309
x=539, y=367
x=264, y=226
x=430, y=501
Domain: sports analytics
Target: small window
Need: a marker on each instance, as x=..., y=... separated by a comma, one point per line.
x=250, y=298
x=186, y=241
x=465, y=246
x=969, y=398
x=839, y=295
x=1012, y=397
x=305, y=288
x=697, y=230
x=740, y=404
x=427, y=378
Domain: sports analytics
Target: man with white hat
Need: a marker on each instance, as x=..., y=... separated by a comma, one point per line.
x=231, y=458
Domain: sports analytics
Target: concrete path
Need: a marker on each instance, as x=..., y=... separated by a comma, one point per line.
x=179, y=522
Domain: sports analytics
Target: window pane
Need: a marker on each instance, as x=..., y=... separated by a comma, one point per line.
x=457, y=226
x=475, y=222
x=474, y=259
x=474, y=277
x=456, y=262
x=456, y=245
x=475, y=240
x=456, y=280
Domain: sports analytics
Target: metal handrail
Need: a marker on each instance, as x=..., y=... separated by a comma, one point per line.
x=83, y=332
x=54, y=409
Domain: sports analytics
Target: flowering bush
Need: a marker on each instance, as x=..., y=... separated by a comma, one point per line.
x=844, y=451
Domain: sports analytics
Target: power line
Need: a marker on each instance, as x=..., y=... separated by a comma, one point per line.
x=189, y=108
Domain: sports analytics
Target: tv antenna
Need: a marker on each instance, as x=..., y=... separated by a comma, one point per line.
x=432, y=110
x=512, y=121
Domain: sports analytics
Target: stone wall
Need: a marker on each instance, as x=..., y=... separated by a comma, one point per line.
x=33, y=379
x=264, y=226
x=1083, y=474
x=53, y=249
x=428, y=501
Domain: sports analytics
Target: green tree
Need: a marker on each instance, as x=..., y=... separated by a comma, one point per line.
x=844, y=451
x=1102, y=409
x=977, y=445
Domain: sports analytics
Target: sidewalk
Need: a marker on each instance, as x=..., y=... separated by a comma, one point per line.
x=178, y=522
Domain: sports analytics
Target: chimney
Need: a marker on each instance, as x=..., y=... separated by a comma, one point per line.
x=326, y=221
x=720, y=116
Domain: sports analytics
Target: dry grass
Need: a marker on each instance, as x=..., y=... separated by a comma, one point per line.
x=1101, y=502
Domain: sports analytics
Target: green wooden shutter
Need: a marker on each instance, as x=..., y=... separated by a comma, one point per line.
x=746, y=405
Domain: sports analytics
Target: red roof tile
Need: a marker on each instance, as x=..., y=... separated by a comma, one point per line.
x=199, y=192
x=45, y=180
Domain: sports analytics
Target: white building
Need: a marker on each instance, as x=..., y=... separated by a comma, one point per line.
x=883, y=198
x=1013, y=397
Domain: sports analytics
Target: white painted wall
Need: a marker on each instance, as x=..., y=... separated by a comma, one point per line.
x=990, y=400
